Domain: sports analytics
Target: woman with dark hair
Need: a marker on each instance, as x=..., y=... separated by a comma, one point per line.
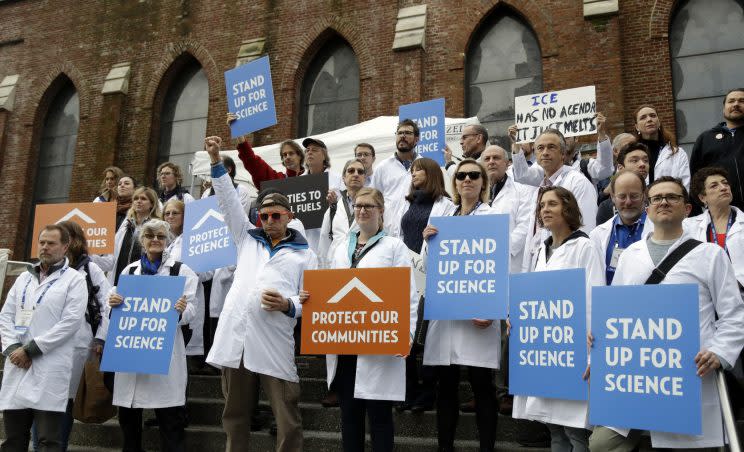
x=473, y=344
x=567, y=247
x=665, y=157
x=111, y=176
x=720, y=223
x=124, y=191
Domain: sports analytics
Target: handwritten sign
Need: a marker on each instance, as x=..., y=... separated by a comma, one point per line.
x=143, y=328
x=548, y=335
x=207, y=243
x=467, y=270
x=307, y=197
x=429, y=116
x=363, y=311
x=571, y=111
x=250, y=96
x=643, y=358
x=98, y=220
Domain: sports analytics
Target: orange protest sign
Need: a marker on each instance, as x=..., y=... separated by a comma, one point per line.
x=361, y=311
x=98, y=220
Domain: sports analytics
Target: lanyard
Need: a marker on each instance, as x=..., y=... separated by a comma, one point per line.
x=469, y=213
x=46, y=289
x=714, y=235
x=634, y=236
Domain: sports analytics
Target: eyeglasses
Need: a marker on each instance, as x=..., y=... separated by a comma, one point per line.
x=160, y=237
x=405, y=133
x=359, y=171
x=166, y=173
x=365, y=206
x=274, y=215
x=361, y=155
x=473, y=175
x=632, y=196
x=172, y=213
x=465, y=135
x=671, y=198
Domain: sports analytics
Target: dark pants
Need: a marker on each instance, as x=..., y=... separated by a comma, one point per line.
x=354, y=411
x=18, y=430
x=423, y=392
x=64, y=431
x=171, y=423
x=448, y=409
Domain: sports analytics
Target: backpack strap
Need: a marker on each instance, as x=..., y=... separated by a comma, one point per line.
x=584, y=165
x=661, y=270
x=175, y=270
x=131, y=270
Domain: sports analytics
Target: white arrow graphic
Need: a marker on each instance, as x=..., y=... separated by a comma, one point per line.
x=210, y=213
x=77, y=213
x=355, y=284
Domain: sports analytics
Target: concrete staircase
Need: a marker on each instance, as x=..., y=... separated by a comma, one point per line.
x=322, y=428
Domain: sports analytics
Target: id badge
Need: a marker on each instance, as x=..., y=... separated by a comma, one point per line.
x=23, y=319
x=616, y=256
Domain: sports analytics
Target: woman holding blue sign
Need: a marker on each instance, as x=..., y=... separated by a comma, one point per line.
x=166, y=394
x=567, y=247
x=369, y=383
x=470, y=343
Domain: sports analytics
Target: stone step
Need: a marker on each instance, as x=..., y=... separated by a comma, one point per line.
x=107, y=437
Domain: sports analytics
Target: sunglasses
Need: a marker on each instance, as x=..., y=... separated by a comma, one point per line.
x=160, y=237
x=359, y=171
x=473, y=175
x=274, y=216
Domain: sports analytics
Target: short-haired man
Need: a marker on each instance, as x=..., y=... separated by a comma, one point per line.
x=38, y=327
x=633, y=157
x=365, y=153
x=721, y=312
x=473, y=142
x=254, y=338
x=613, y=236
x=393, y=175
x=170, y=180
x=723, y=145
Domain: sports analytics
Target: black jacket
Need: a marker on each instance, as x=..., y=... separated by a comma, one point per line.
x=717, y=147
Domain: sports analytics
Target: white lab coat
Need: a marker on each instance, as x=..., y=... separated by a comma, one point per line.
x=577, y=252
x=394, y=181
x=586, y=197
x=600, y=237
x=243, y=194
x=598, y=168
x=675, y=165
x=459, y=341
x=708, y=267
x=46, y=384
x=335, y=183
x=263, y=339
x=378, y=377
x=518, y=201
x=84, y=335
x=187, y=198
x=107, y=262
x=697, y=226
x=340, y=226
x=153, y=390
x=196, y=343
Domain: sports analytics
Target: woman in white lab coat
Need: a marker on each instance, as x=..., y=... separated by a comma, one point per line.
x=567, y=247
x=164, y=393
x=474, y=343
x=369, y=382
x=666, y=158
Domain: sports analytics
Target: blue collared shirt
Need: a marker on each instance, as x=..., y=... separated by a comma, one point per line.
x=621, y=236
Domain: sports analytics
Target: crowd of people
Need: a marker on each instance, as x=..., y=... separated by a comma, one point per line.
x=621, y=216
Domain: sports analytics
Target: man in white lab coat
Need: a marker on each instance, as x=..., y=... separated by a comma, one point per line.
x=721, y=312
x=43, y=311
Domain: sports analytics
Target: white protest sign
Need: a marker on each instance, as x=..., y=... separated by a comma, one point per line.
x=571, y=111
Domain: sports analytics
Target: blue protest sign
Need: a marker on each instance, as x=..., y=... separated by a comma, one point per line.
x=429, y=116
x=250, y=97
x=142, y=329
x=547, y=311
x=207, y=243
x=643, y=359
x=467, y=269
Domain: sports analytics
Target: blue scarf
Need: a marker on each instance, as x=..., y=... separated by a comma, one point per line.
x=147, y=267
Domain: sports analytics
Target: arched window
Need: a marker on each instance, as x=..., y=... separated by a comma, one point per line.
x=57, y=147
x=330, y=91
x=503, y=62
x=707, y=50
x=183, y=120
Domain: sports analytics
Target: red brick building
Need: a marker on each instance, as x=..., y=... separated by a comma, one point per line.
x=85, y=85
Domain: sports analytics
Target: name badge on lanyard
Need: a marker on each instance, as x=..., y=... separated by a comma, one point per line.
x=25, y=314
x=616, y=252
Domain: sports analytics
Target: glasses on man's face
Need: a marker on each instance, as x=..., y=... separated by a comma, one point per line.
x=363, y=155
x=359, y=171
x=670, y=198
x=160, y=237
x=473, y=175
x=632, y=196
x=274, y=216
x=405, y=133
x=360, y=207
x=466, y=135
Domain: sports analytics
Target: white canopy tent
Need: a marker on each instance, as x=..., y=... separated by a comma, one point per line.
x=379, y=132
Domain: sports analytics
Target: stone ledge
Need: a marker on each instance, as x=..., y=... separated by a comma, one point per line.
x=250, y=50
x=117, y=80
x=7, y=92
x=410, y=29
x=594, y=8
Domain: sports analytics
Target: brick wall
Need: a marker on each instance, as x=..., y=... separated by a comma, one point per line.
x=626, y=56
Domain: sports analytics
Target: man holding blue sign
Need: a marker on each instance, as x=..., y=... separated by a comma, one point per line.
x=721, y=311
